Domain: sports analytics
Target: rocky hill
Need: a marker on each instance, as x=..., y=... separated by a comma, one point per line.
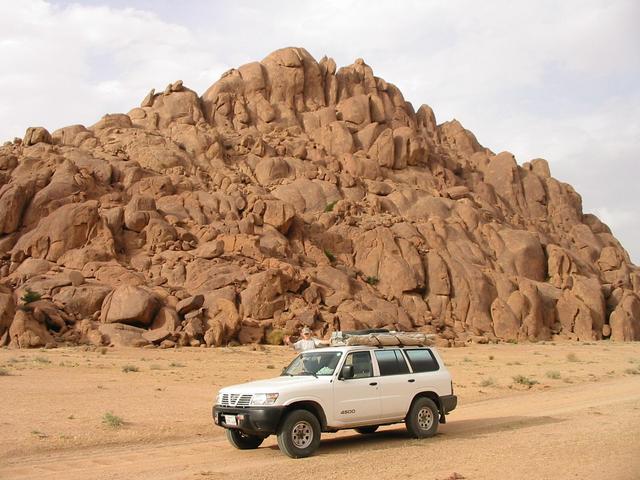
x=294, y=193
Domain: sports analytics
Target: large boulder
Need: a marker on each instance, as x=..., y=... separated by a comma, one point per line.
x=164, y=325
x=264, y=294
x=71, y=226
x=7, y=308
x=36, y=135
x=505, y=323
x=129, y=305
x=189, y=304
x=83, y=300
x=390, y=262
x=278, y=214
x=27, y=332
x=625, y=319
x=520, y=253
x=14, y=198
x=581, y=310
x=120, y=335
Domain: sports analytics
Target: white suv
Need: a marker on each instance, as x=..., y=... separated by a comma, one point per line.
x=335, y=388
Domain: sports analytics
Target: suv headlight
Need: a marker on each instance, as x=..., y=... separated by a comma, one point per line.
x=264, y=398
x=219, y=399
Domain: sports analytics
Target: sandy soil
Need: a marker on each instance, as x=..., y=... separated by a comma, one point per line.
x=581, y=420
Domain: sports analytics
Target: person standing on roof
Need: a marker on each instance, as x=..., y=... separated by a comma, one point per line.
x=307, y=342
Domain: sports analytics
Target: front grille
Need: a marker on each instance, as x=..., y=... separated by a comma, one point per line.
x=235, y=400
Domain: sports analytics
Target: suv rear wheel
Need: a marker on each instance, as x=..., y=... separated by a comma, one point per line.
x=299, y=434
x=243, y=441
x=422, y=419
x=367, y=430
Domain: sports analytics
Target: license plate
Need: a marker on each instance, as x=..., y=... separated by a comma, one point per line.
x=230, y=420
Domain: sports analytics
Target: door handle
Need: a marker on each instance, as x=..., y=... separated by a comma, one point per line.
x=411, y=380
x=373, y=384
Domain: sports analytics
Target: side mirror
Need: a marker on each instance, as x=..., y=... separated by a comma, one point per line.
x=347, y=372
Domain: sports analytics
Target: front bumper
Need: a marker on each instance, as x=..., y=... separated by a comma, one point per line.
x=254, y=420
x=448, y=403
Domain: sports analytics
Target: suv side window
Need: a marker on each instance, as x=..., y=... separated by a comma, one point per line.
x=391, y=362
x=361, y=362
x=422, y=360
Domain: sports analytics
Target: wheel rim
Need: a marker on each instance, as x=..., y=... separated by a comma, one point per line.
x=425, y=418
x=302, y=434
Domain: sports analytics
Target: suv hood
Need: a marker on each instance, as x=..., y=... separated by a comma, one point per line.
x=275, y=385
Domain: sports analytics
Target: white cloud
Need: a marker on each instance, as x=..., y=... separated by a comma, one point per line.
x=541, y=79
x=73, y=64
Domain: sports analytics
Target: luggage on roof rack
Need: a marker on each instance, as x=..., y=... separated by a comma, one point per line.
x=365, y=332
x=381, y=339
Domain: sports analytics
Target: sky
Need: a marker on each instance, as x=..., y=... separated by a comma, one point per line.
x=541, y=79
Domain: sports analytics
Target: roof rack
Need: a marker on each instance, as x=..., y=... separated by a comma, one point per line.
x=383, y=338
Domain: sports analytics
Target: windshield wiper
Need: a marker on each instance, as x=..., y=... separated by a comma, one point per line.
x=306, y=372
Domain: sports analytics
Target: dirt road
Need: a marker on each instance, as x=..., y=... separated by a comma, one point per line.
x=590, y=430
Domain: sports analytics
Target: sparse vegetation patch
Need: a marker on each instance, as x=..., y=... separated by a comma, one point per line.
x=329, y=254
x=524, y=380
x=372, y=280
x=112, y=421
x=275, y=337
x=488, y=382
x=30, y=296
x=329, y=206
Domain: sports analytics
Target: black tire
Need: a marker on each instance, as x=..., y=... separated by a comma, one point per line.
x=243, y=441
x=299, y=434
x=422, y=419
x=369, y=429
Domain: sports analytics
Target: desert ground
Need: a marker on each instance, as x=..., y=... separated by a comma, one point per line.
x=530, y=411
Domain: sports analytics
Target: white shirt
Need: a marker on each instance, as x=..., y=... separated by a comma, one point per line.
x=302, y=345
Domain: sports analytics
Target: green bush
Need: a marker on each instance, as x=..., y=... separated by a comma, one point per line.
x=372, y=280
x=329, y=206
x=553, y=374
x=329, y=254
x=487, y=382
x=112, y=421
x=30, y=296
x=275, y=337
x=522, y=380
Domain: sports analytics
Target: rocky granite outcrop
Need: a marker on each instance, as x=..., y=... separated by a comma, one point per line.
x=295, y=193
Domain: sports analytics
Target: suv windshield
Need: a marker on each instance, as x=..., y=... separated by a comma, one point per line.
x=314, y=363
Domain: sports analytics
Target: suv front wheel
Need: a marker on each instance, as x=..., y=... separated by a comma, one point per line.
x=299, y=434
x=422, y=419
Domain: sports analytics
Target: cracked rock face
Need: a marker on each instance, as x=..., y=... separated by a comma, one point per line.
x=293, y=193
